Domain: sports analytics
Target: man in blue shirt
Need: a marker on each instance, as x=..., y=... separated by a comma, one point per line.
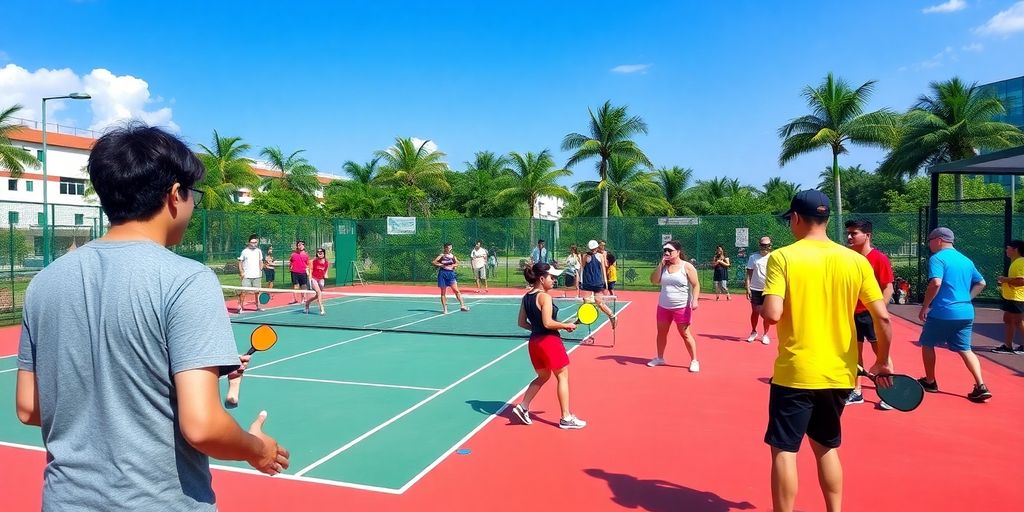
x=539, y=253
x=947, y=312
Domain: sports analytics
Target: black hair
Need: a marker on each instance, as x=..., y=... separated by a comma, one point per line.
x=535, y=272
x=541, y=241
x=254, y=235
x=862, y=225
x=133, y=167
x=1018, y=245
x=611, y=259
x=678, y=246
x=813, y=219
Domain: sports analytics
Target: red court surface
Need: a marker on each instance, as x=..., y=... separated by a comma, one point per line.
x=664, y=439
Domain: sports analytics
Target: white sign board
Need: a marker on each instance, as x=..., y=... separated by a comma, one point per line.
x=678, y=221
x=401, y=225
x=666, y=237
x=742, y=237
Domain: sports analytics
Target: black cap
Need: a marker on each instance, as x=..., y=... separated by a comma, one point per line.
x=809, y=203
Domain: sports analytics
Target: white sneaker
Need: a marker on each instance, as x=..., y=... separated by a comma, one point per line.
x=571, y=422
x=752, y=337
x=694, y=366
x=884, y=406
x=522, y=414
x=657, y=361
x=765, y=340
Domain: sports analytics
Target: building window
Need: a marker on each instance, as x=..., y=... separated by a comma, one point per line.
x=72, y=187
x=28, y=185
x=12, y=217
x=79, y=219
x=40, y=155
x=39, y=219
x=12, y=185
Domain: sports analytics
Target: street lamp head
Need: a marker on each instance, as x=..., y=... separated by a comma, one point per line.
x=79, y=96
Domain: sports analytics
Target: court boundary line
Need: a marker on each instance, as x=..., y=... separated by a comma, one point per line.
x=489, y=419
x=9, y=355
x=341, y=382
x=8, y=370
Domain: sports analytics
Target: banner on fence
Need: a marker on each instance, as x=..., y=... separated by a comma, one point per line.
x=678, y=221
x=742, y=237
x=401, y=225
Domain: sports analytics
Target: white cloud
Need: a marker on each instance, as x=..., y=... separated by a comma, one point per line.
x=973, y=47
x=950, y=6
x=114, y=98
x=938, y=59
x=1005, y=23
x=430, y=147
x=631, y=68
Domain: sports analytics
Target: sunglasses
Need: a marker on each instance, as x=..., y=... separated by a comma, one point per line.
x=668, y=251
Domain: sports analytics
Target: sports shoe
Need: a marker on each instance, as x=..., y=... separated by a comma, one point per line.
x=765, y=339
x=855, y=398
x=979, y=394
x=522, y=414
x=884, y=406
x=752, y=337
x=1019, y=349
x=657, y=361
x=932, y=387
x=571, y=422
x=1003, y=349
x=694, y=366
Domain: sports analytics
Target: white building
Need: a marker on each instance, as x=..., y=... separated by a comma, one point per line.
x=548, y=208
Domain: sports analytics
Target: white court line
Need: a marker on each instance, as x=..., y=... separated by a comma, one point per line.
x=250, y=471
x=393, y=319
x=484, y=423
x=10, y=370
x=281, y=309
x=314, y=350
x=400, y=415
x=9, y=355
x=346, y=382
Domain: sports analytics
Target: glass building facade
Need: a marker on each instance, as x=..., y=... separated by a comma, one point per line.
x=1012, y=93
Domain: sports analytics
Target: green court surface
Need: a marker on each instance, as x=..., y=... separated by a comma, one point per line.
x=369, y=409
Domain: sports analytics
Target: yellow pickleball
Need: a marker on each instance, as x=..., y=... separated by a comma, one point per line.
x=587, y=314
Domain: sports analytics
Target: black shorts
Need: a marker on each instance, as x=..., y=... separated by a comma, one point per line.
x=269, y=274
x=611, y=286
x=757, y=297
x=792, y=413
x=300, y=279
x=596, y=288
x=865, y=327
x=1012, y=306
x=570, y=280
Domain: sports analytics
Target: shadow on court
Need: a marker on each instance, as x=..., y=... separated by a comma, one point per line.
x=486, y=407
x=642, y=361
x=662, y=496
x=721, y=337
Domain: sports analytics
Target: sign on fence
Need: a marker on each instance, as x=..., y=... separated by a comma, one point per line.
x=742, y=237
x=666, y=237
x=401, y=225
x=678, y=221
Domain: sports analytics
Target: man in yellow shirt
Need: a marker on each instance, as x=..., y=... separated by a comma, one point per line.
x=811, y=291
x=1012, y=288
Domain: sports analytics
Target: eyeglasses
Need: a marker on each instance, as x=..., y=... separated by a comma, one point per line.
x=197, y=196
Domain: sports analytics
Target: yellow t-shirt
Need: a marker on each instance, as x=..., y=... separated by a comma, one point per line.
x=820, y=283
x=1014, y=292
x=613, y=273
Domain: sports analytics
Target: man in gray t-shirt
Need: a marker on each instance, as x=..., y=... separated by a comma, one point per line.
x=122, y=344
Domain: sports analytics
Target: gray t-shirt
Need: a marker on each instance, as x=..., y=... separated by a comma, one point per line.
x=105, y=328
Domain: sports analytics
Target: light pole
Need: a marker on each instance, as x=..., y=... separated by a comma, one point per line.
x=46, y=158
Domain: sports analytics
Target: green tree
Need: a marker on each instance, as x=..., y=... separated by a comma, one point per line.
x=917, y=192
x=357, y=200
x=674, y=184
x=297, y=174
x=363, y=174
x=778, y=193
x=837, y=119
x=479, y=185
x=629, y=187
x=611, y=132
x=227, y=170
x=706, y=194
x=534, y=175
x=414, y=171
x=13, y=158
x=282, y=201
x=951, y=124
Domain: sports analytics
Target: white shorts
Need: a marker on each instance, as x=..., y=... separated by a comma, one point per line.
x=480, y=272
x=251, y=282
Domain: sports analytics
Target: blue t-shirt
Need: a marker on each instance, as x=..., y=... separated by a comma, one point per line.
x=958, y=274
x=105, y=328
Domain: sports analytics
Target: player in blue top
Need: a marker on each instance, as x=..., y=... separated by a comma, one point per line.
x=446, y=263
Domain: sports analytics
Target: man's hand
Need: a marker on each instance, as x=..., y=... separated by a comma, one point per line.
x=244, y=359
x=694, y=305
x=748, y=293
x=923, y=314
x=272, y=459
x=882, y=370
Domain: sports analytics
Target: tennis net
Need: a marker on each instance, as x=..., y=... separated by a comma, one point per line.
x=488, y=315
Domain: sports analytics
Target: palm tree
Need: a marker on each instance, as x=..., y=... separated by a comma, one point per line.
x=13, y=158
x=534, y=175
x=415, y=171
x=629, y=187
x=297, y=174
x=611, y=130
x=362, y=174
x=951, y=124
x=838, y=118
x=674, y=184
x=485, y=176
x=706, y=193
x=226, y=171
x=779, y=192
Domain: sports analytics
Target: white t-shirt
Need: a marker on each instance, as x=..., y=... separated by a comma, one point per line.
x=759, y=264
x=675, y=288
x=251, y=261
x=478, y=258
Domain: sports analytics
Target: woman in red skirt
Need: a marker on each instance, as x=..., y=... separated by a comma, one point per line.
x=539, y=315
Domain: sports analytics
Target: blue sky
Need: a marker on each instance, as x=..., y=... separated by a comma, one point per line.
x=713, y=80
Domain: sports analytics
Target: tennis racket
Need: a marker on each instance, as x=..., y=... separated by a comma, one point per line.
x=905, y=393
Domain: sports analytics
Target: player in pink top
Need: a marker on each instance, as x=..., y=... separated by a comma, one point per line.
x=298, y=263
x=317, y=274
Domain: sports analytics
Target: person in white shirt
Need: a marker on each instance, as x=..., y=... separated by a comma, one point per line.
x=250, y=265
x=757, y=265
x=573, y=263
x=478, y=261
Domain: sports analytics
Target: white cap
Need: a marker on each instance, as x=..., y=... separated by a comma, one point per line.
x=554, y=272
x=592, y=245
